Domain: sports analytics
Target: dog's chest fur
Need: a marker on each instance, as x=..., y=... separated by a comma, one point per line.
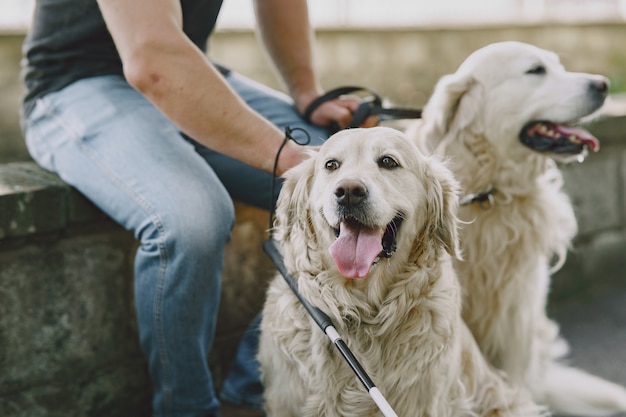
x=507, y=250
x=406, y=342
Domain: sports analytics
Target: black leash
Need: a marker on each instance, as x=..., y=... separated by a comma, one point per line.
x=324, y=322
x=321, y=319
x=370, y=106
x=288, y=137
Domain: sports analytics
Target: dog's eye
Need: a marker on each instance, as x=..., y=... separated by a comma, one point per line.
x=332, y=165
x=388, y=162
x=537, y=70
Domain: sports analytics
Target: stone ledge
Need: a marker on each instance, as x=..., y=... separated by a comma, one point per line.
x=68, y=339
x=34, y=201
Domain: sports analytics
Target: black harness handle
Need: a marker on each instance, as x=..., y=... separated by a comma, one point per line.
x=370, y=106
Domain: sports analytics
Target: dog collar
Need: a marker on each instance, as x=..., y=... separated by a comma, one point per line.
x=485, y=200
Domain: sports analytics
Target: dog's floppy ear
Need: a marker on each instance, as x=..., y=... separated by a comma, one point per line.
x=454, y=104
x=442, y=196
x=293, y=221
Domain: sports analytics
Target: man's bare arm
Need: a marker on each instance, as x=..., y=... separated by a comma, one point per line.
x=165, y=66
x=288, y=38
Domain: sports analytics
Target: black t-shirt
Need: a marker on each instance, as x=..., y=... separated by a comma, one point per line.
x=69, y=40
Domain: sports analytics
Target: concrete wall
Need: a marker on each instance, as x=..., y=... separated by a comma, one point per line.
x=68, y=344
x=11, y=143
x=401, y=65
x=68, y=340
x=597, y=188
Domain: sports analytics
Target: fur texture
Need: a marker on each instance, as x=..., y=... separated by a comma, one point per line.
x=400, y=315
x=474, y=120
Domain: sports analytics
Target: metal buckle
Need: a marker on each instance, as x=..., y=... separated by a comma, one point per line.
x=485, y=200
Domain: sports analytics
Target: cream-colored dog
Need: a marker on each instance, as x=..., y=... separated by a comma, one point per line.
x=502, y=120
x=367, y=227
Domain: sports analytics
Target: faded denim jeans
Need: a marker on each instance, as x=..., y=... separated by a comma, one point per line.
x=105, y=139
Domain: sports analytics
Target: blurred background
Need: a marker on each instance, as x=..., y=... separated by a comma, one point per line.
x=395, y=13
x=399, y=48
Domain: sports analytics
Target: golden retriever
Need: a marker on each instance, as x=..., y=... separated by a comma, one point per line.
x=501, y=121
x=367, y=227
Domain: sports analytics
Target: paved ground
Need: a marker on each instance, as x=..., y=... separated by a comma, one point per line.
x=596, y=331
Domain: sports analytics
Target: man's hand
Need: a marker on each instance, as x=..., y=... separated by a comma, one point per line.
x=340, y=111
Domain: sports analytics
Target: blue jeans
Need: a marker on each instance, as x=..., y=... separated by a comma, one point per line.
x=110, y=143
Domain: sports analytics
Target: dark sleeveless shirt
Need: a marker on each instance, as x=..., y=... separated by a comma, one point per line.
x=69, y=40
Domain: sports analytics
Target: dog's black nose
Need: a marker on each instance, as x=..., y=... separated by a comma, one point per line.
x=350, y=192
x=599, y=87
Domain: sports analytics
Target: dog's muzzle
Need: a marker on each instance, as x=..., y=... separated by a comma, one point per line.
x=360, y=242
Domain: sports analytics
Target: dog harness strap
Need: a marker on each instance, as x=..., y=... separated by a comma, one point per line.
x=400, y=113
x=375, y=108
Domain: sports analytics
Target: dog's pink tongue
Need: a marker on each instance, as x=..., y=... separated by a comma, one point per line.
x=355, y=249
x=582, y=135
